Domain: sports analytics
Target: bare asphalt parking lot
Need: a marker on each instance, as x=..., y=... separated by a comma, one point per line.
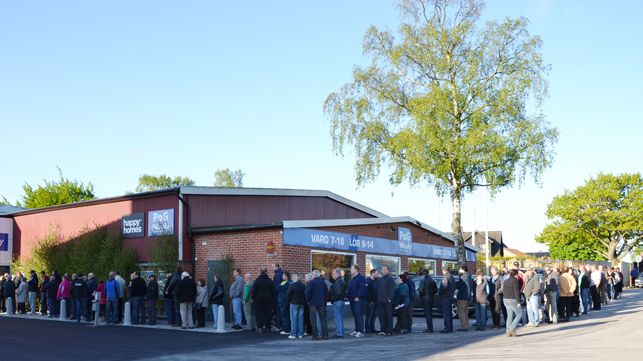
x=615, y=332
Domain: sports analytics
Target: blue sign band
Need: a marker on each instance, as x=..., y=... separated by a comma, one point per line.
x=358, y=243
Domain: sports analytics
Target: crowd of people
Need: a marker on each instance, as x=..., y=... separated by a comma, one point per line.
x=295, y=304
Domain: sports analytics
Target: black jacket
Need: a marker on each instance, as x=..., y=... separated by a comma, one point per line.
x=428, y=288
x=338, y=290
x=371, y=291
x=92, y=285
x=447, y=287
x=217, y=292
x=52, y=289
x=33, y=283
x=296, y=294
x=79, y=289
x=152, y=293
x=262, y=289
x=385, y=287
x=495, y=289
x=169, y=286
x=186, y=290
x=9, y=289
x=138, y=288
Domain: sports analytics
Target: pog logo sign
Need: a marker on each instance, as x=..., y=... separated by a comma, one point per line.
x=4, y=242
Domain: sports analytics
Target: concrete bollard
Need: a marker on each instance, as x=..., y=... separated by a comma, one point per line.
x=127, y=314
x=9, y=306
x=221, y=320
x=63, y=309
x=96, y=307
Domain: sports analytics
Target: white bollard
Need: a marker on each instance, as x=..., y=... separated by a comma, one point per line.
x=63, y=309
x=127, y=316
x=9, y=306
x=96, y=307
x=221, y=320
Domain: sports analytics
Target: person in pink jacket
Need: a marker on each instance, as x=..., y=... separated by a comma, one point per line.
x=64, y=290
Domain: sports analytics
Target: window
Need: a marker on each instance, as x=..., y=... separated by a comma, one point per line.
x=326, y=262
x=377, y=262
x=453, y=266
x=416, y=265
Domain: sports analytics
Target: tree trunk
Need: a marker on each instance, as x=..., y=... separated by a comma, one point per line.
x=456, y=228
x=611, y=254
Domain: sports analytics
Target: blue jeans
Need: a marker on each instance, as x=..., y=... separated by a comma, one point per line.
x=296, y=320
x=138, y=308
x=584, y=295
x=237, y=311
x=356, y=309
x=111, y=310
x=608, y=291
x=80, y=306
x=215, y=314
x=52, y=304
x=481, y=315
x=533, y=306
x=371, y=313
x=338, y=312
x=513, y=314
x=284, y=316
x=169, y=310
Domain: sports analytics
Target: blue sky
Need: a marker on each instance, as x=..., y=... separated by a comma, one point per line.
x=111, y=90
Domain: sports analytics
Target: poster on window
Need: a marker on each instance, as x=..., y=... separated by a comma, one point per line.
x=160, y=223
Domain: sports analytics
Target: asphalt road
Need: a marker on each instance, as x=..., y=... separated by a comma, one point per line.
x=616, y=332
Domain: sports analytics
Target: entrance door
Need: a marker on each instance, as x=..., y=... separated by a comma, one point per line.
x=222, y=270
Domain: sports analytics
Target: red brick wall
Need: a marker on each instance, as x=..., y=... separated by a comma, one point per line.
x=248, y=249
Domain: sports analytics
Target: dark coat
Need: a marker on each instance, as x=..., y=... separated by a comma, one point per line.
x=371, y=291
x=316, y=292
x=296, y=293
x=152, y=293
x=186, y=290
x=138, y=288
x=9, y=289
x=169, y=285
x=447, y=287
x=92, y=285
x=263, y=289
x=385, y=287
x=357, y=288
x=79, y=289
x=51, y=288
x=33, y=283
x=495, y=289
x=428, y=288
x=338, y=290
x=217, y=292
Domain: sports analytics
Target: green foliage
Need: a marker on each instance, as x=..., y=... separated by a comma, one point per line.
x=602, y=219
x=445, y=103
x=4, y=201
x=53, y=193
x=96, y=250
x=165, y=254
x=148, y=183
x=228, y=178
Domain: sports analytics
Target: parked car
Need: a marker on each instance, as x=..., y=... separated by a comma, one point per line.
x=418, y=308
x=639, y=281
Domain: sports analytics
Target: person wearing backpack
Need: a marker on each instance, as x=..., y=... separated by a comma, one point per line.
x=216, y=295
x=428, y=290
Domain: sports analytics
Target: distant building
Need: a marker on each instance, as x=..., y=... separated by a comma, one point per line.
x=512, y=252
x=495, y=241
x=544, y=255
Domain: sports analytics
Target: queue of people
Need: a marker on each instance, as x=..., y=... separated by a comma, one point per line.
x=295, y=304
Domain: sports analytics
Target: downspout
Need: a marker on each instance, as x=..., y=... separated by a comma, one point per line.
x=182, y=203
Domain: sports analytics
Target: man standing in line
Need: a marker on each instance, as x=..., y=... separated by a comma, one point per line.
x=276, y=281
x=595, y=283
x=481, y=300
x=567, y=286
x=236, y=293
x=338, y=300
x=169, y=300
x=495, y=297
x=584, y=283
x=428, y=291
x=151, y=299
x=32, y=285
x=43, y=293
x=532, y=295
x=81, y=294
x=263, y=295
x=464, y=288
x=121, y=296
x=112, y=293
x=92, y=285
x=412, y=294
x=385, y=292
x=251, y=324
x=511, y=299
x=316, y=294
x=446, y=291
x=137, y=291
x=371, y=301
x=551, y=295
x=356, y=294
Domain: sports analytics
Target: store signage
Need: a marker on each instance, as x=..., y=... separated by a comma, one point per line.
x=352, y=242
x=405, y=239
x=133, y=226
x=4, y=242
x=160, y=223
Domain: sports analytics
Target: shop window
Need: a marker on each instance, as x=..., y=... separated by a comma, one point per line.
x=453, y=266
x=326, y=262
x=377, y=262
x=416, y=265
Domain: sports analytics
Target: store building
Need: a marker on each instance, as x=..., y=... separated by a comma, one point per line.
x=299, y=229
